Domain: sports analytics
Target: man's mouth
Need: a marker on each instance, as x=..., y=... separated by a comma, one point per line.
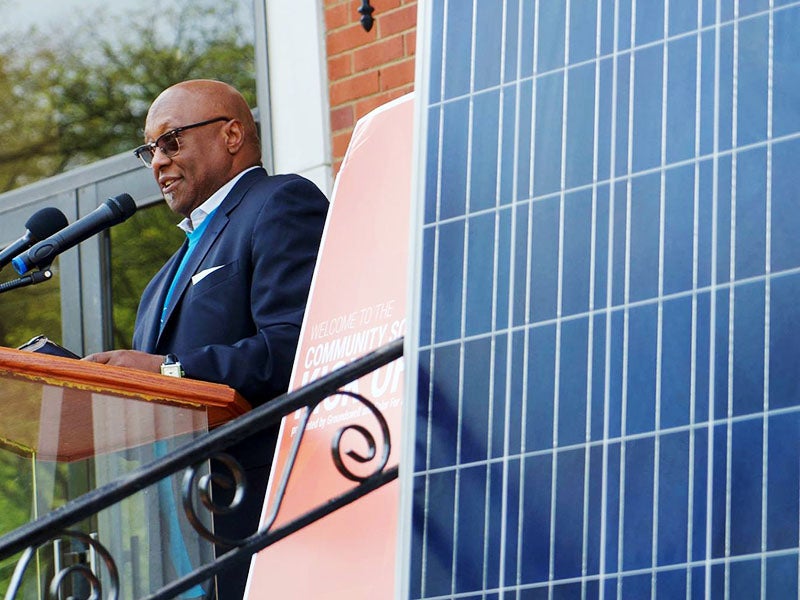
x=167, y=184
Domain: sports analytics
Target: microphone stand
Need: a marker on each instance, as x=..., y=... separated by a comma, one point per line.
x=31, y=279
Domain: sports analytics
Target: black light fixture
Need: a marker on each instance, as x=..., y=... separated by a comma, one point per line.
x=366, y=15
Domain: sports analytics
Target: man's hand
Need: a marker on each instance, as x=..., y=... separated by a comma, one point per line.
x=133, y=359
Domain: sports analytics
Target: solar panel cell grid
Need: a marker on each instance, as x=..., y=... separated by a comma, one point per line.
x=608, y=401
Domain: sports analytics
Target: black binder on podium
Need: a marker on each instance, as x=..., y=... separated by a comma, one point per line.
x=45, y=345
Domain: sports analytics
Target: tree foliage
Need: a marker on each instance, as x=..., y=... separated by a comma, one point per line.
x=71, y=96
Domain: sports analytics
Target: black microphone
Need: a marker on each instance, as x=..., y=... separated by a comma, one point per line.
x=112, y=211
x=42, y=224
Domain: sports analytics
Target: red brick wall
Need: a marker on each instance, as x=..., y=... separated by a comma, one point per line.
x=366, y=69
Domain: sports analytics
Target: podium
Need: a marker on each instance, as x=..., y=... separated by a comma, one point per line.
x=68, y=426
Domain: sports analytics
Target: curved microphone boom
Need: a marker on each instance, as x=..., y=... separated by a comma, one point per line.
x=113, y=211
x=43, y=223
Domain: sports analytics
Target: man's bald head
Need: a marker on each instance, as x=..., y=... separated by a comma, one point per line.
x=200, y=99
x=217, y=137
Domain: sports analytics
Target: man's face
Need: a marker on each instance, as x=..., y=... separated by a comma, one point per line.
x=200, y=167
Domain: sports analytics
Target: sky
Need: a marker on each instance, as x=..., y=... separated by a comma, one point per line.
x=48, y=15
x=20, y=14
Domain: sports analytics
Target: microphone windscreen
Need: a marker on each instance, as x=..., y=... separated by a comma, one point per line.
x=45, y=222
x=124, y=204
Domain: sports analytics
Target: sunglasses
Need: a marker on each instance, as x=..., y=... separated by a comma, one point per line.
x=169, y=143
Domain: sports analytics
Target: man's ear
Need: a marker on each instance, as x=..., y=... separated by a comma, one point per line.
x=234, y=135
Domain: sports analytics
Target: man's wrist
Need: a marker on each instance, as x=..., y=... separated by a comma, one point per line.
x=172, y=366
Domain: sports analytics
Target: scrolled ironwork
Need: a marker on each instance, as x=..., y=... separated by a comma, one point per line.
x=193, y=481
x=85, y=572
x=280, y=493
x=267, y=534
x=66, y=573
x=368, y=437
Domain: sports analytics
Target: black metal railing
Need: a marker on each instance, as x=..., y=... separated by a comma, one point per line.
x=191, y=457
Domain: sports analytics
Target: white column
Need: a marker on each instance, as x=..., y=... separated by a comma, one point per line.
x=298, y=103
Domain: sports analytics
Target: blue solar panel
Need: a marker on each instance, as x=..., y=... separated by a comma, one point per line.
x=608, y=399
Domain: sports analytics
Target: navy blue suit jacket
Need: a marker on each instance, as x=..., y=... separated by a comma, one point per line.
x=239, y=321
x=239, y=324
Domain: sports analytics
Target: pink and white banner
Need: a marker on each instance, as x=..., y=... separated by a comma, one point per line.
x=357, y=304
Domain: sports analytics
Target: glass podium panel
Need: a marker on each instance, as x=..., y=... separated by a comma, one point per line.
x=24, y=314
x=60, y=438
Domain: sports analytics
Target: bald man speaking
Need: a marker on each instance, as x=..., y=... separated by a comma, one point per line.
x=228, y=305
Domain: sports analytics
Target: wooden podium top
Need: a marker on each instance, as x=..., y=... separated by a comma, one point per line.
x=81, y=403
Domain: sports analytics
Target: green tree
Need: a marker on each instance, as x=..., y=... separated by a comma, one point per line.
x=71, y=97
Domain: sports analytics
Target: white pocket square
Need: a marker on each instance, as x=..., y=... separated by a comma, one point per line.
x=198, y=277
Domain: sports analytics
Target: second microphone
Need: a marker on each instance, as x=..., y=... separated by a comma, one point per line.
x=113, y=211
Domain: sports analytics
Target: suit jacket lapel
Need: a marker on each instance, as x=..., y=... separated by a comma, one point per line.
x=150, y=319
x=218, y=222
x=215, y=227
